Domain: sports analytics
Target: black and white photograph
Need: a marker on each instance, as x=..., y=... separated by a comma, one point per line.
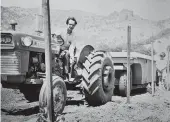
x=85, y=61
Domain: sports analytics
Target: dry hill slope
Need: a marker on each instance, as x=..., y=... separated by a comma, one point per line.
x=106, y=32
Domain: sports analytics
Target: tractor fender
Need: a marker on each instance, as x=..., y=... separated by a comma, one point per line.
x=82, y=52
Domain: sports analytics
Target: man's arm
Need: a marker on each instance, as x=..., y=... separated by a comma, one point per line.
x=72, y=49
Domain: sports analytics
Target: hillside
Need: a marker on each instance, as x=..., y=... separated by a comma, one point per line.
x=106, y=32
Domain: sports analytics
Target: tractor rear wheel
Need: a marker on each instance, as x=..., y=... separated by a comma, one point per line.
x=59, y=97
x=98, y=78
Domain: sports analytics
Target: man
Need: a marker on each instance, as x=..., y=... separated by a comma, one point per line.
x=67, y=38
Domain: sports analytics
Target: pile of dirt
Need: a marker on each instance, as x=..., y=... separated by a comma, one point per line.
x=9, y=97
x=15, y=108
x=143, y=107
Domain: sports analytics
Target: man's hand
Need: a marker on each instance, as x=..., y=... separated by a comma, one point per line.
x=62, y=54
x=65, y=46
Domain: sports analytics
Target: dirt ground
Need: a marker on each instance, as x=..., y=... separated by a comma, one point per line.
x=143, y=108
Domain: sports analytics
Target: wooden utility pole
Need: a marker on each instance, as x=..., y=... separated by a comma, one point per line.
x=153, y=84
x=47, y=37
x=128, y=62
x=167, y=82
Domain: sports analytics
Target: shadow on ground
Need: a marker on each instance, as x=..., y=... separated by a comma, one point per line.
x=26, y=112
x=133, y=92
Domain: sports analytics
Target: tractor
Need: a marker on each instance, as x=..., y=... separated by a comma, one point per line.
x=23, y=67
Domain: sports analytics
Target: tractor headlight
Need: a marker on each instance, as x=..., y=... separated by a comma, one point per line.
x=27, y=41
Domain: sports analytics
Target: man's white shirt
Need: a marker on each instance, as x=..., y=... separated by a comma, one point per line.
x=68, y=39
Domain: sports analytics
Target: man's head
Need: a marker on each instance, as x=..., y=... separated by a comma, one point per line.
x=71, y=23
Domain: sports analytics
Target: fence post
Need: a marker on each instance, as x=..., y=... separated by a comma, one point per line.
x=153, y=84
x=167, y=82
x=47, y=37
x=128, y=62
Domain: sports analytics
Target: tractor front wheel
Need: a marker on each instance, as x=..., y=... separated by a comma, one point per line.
x=59, y=97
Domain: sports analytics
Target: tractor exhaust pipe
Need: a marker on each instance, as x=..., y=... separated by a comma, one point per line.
x=13, y=24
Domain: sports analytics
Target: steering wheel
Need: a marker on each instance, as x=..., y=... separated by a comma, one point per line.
x=58, y=39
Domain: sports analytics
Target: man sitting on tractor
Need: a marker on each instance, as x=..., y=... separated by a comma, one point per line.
x=66, y=39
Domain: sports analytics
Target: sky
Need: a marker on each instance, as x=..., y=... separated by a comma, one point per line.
x=148, y=9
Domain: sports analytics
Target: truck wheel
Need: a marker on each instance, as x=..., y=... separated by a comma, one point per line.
x=98, y=78
x=123, y=84
x=165, y=86
x=59, y=97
